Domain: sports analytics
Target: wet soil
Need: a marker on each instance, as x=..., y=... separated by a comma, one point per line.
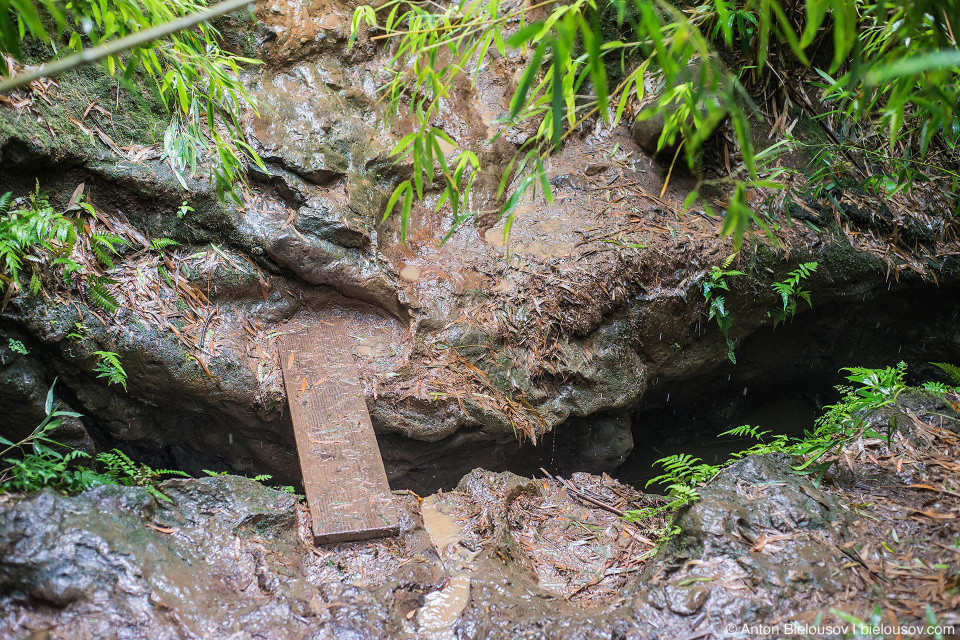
x=503, y=556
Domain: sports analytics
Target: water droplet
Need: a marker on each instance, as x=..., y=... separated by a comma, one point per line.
x=744, y=391
x=668, y=397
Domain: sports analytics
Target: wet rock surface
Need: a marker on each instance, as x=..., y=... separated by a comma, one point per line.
x=502, y=556
x=759, y=537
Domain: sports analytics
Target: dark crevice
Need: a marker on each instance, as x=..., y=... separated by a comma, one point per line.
x=785, y=376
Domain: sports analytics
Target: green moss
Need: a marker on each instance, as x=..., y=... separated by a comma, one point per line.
x=239, y=34
x=126, y=116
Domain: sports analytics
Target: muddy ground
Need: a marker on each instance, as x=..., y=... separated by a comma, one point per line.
x=511, y=557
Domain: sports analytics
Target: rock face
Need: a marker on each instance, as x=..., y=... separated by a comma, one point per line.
x=114, y=560
x=465, y=347
x=756, y=525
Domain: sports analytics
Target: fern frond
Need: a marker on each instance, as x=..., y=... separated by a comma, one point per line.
x=109, y=240
x=105, y=243
x=102, y=256
x=35, y=282
x=171, y=472
x=5, y=201
x=100, y=295
x=937, y=388
x=110, y=368
x=160, y=244
x=952, y=370
x=9, y=259
x=746, y=431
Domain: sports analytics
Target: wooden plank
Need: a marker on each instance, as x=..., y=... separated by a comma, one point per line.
x=343, y=475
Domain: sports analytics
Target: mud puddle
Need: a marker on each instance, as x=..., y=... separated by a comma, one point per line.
x=442, y=608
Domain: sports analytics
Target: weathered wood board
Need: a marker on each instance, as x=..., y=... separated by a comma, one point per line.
x=343, y=475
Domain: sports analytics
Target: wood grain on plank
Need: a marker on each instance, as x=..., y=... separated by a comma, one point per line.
x=343, y=474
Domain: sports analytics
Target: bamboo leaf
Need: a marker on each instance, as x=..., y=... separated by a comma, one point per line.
x=520, y=97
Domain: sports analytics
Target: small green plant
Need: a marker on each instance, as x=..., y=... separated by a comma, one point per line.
x=35, y=231
x=41, y=462
x=712, y=294
x=109, y=367
x=104, y=246
x=18, y=347
x=941, y=389
x=162, y=244
x=952, y=370
x=262, y=478
x=790, y=292
x=119, y=469
x=846, y=421
x=683, y=474
x=80, y=332
x=99, y=295
x=184, y=209
x=777, y=444
x=30, y=228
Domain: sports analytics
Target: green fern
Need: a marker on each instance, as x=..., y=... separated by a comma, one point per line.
x=119, y=468
x=18, y=347
x=70, y=267
x=263, y=477
x=29, y=229
x=952, y=370
x=35, y=282
x=684, y=469
x=109, y=368
x=105, y=243
x=937, y=388
x=790, y=292
x=712, y=295
x=99, y=294
x=161, y=244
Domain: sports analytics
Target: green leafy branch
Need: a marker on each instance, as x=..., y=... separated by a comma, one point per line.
x=195, y=78
x=891, y=63
x=713, y=290
x=791, y=293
